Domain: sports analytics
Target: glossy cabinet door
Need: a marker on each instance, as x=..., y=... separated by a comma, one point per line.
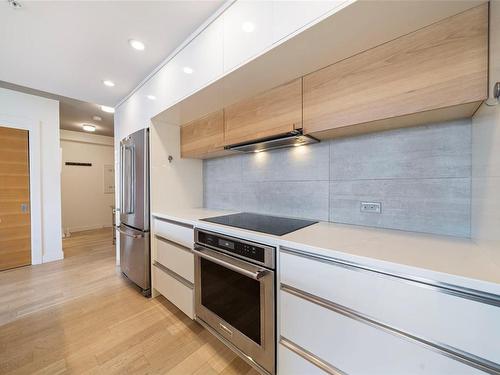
x=247, y=31
x=356, y=347
x=442, y=317
x=270, y=113
x=195, y=66
x=291, y=15
x=203, y=137
x=439, y=66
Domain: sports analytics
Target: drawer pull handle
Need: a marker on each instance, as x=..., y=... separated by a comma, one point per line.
x=308, y=356
x=226, y=330
x=443, y=349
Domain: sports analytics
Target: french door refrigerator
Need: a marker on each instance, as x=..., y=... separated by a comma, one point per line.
x=135, y=256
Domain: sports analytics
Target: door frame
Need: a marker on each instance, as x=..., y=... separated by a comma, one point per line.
x=33, y=128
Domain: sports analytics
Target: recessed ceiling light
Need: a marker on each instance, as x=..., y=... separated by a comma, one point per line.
x=248, y=27
x=97, y=118
x=151, y=97
x=88, y=127
x=136, y=44
x=107, y=109
x=187, y=70
x=108, y=83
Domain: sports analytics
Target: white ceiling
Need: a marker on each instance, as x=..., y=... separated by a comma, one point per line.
x=73, y=113
x=68, y=47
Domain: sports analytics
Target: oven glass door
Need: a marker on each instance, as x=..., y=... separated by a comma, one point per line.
x=233, y=297
x=236, y=299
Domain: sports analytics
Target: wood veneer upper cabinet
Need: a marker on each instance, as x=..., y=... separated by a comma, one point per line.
x=273, y=112
x=442, y=65
x=203, y=137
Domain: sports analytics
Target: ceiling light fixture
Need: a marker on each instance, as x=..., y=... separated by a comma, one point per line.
x=187, y=70
x=88, y=128
x=108, y=83
x=97, y=118
x=136, y=44
x=15, y=4
x=107, y=109
x=248, y=27
x=151, y=97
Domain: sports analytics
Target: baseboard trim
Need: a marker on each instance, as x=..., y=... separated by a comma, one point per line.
x=90, y=227
x=52, y=257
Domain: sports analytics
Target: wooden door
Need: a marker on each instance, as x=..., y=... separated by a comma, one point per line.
x=270, y=113
x=15, y=219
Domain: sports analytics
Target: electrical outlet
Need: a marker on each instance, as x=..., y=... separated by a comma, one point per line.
x=371, y=207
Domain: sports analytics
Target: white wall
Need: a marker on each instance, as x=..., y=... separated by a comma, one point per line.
x=85, y=205
x=486, y=150
x=43, y=115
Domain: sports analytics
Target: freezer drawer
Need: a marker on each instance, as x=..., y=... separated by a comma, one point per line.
x=135, y=258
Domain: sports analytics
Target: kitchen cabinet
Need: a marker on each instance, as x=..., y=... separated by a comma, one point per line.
x=173, y=263
x=247, y=31
x=203, y=137
x=342, y=342
x=290, y=16
x=197, y=64
x=273, y=112
x=443, y=66
x=175, y=289
x=373, y=317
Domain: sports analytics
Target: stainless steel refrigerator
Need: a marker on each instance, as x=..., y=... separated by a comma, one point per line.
x=135, y=255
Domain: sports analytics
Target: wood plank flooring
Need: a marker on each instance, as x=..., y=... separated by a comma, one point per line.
x=80, y=316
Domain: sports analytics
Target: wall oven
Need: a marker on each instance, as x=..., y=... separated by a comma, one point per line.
x=235, y=295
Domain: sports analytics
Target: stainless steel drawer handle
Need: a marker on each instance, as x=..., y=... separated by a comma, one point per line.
x=225, y=329
x=136, y=236
x=230, y=263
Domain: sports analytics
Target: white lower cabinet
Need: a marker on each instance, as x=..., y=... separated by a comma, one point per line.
x=176, y=258
x=352, y=346
x=433, y=313
x=342, y=317
x=290, y=363
x=173, y=263
x=176, y=291
x=176, y=232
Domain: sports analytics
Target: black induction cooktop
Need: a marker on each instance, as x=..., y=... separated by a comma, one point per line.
x=275, y=225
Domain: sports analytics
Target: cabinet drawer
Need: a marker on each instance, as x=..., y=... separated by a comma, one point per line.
x=175, y=291
x=176, y=258
x=181, y=233
x=356, y=347
x=290, y=363
x=428, y=312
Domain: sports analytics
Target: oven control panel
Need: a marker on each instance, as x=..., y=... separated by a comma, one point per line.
x=242, y=248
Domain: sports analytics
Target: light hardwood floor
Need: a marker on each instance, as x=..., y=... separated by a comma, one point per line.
x=80, y=315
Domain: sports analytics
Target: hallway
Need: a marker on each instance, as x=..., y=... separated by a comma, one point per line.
x=80, y=315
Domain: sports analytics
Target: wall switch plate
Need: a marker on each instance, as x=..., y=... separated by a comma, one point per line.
x=371, y=207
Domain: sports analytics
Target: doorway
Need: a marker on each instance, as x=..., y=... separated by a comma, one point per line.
x=15, y=217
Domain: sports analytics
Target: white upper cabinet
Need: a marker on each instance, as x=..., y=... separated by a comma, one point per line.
x=199, y=63
x=247, y=31
x=290, y=16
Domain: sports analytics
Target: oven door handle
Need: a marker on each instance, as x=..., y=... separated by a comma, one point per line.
x=233, y=264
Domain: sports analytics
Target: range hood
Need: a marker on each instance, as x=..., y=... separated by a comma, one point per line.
x=290, y=139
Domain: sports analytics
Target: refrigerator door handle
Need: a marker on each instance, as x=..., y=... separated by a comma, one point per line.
x=135, y=236
x=128, y=180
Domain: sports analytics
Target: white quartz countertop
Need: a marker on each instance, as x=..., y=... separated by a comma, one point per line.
x=452, y=260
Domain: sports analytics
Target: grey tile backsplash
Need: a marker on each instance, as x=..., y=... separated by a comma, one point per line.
x=421, y=176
